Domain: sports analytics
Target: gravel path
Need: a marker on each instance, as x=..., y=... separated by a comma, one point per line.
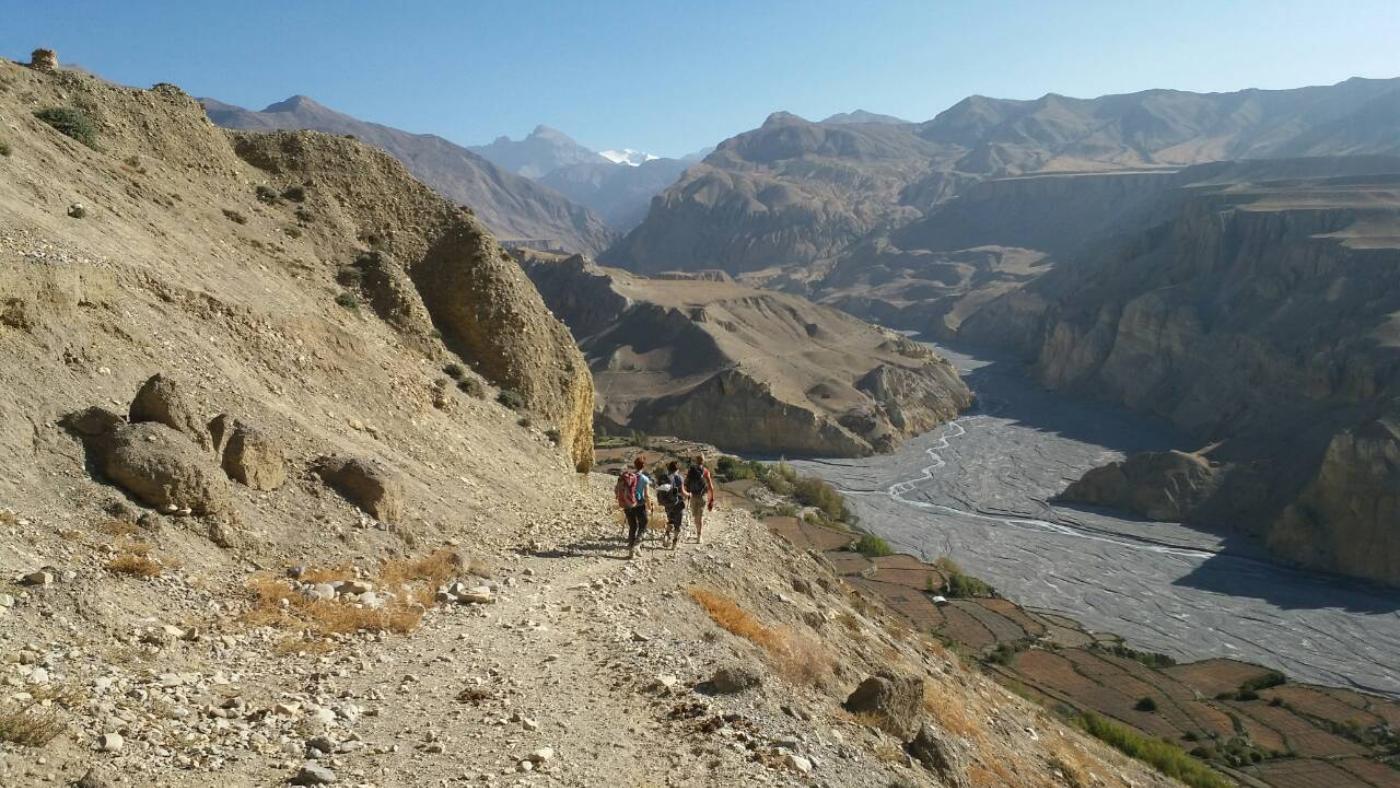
x=976, y=489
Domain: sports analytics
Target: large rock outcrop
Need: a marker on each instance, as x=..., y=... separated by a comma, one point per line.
x=164, y=469
x=701, y=357
x=1168, y=485
x=368, y=484
x=476, y=297
x=1347, y=519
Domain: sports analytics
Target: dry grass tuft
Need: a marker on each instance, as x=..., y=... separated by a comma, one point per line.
x=117, y=528
x=8, y=518
x=435, y=569
x=796, y=657
x=135, y=564
x=276, y=603
x=28, y=726
x=949, y=709
x=328, y=574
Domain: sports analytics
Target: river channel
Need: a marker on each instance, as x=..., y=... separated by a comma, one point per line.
x=978, y=489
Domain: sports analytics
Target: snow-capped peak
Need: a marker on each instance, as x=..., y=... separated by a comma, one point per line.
x=632, y=158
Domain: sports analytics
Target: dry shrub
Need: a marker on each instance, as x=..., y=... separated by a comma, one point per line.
x=328, y=574
x=117, y=528
x=8, y=518
x=28, y=726
x=276, y=603
x=798, y=658
x=435, y=569
x=135, y=564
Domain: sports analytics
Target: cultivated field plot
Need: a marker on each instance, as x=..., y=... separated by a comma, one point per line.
x=847, y=563
x=1313, y=702
x=1211, y=677
x=963, y=628
x=1385, y=708
x=1032, y=624
x=914, y=605
x=1057, y=671
x=1305, y=773
x=1134, y=680
x=920, y=579
x=1373, y=772
x=1300, y=735
x=808, y=536
x=1002, y=628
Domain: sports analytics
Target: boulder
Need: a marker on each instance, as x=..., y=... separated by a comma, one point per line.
x=735, y=677
x=893, y=699
x=1159, y=485
x=162, y=401
x=248, y=455
x=162, y=469
x=368, y=484
x=934, y=752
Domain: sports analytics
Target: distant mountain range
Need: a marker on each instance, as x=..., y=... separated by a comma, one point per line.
x=512, y=206
x=616, y=184
x=797, y=193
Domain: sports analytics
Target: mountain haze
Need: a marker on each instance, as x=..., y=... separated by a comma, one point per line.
x=542, y=152
x=512, y=206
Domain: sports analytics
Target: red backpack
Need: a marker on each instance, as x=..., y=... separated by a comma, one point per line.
x=626, y=489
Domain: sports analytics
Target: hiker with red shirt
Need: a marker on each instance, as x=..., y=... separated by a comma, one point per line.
x=700, y=488
x=635, y=502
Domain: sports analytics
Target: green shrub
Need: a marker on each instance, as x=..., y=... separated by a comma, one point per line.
x=524, y=421
x=811, y=491
x=1165, y=757
x=294, y=193
x=292, y=232
x=267, y=194
x=511, y=399
x=454, y=371
x=872, y=546
x=348, y=300
x=554, y=435
x=235, y=216
x=1149, y=658
x=472, y=387
x=305, y=216
x=961, y=585
x=4, y=148
x=1270, y=679
x=1146, y=703
x=70, y=122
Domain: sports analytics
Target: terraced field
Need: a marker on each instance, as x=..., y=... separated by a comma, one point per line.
x=1222, y=710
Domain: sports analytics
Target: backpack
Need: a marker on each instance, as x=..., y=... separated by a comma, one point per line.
x=668, y=496
x=695, y=481
x=626, y=489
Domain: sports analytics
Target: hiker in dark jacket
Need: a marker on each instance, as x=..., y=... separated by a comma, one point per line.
x=672, y=496
x=700, y=489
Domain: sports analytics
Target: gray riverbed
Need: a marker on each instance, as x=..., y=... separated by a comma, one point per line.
x=977, y=489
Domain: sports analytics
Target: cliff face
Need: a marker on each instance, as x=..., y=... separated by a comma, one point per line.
x=1259, y=311
x=704, y=358
x=1345, y=519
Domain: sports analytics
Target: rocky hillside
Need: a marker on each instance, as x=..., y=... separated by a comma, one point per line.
x=698, y=356
x=796, y=193
x=1257, y=307
x=252, y=531
x=511, y=206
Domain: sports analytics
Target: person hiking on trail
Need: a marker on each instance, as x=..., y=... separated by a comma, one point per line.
x=632, y=497
x=672, y=496
x=700, y=489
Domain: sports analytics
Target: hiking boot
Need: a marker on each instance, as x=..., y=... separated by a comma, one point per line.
x=631, y=553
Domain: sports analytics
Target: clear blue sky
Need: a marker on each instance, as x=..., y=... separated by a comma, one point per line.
x=671, y=77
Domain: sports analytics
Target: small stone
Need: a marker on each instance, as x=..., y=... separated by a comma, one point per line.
x=110, y=742
x=91, y=779
x=6, y=600
x=477, y=595
x=77, y=211
x=542, y=754
x=320, y=744
x=797, y=763
x=354, y=587
x=313, y=774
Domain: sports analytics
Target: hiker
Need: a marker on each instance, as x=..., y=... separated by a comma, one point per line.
x=672, y=496
x=700, y=489
x=632, y=497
